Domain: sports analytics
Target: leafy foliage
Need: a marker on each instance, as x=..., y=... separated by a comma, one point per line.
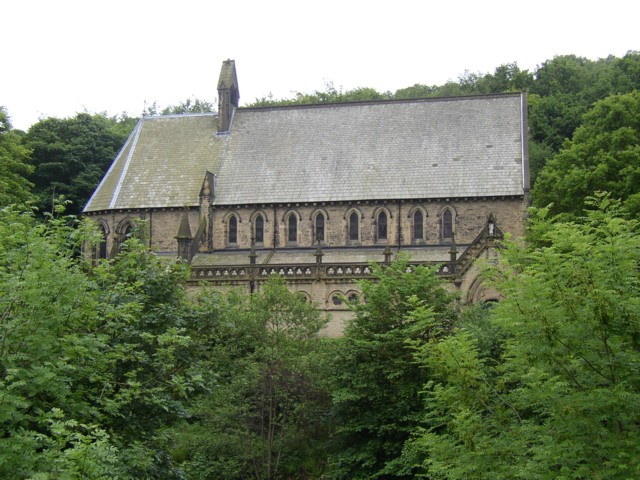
x=330, y=95
x=71, y=155
x=265, y=412
x=190, y=105
x=377, y=384
x=562, y=402
x=604, y=155
x=92, y=366
x=14, y=166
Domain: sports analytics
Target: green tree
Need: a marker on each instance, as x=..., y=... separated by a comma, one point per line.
x=377, y=383
x=563, y=400
x=72, y=155
x=93, y=363
x=604, y=155
x=190, y=105
x=14, y=164
x=415, y=91
x=626, y=75
x=554, y=118
x=264, y=415
x=506, y=78
x=330, y=95
x=566, y=87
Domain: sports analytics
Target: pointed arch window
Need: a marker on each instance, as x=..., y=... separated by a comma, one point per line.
x=259, y=229
x=354, y=234
x=233, y=230
x=100, y=250
x=319, y=228
x=292, y=228
x=127, y=232
x=418, y=225
x=447, y=224
x=382, y=226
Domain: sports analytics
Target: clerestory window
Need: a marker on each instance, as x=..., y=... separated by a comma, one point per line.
x=354, y=234
x=259, y=229
x=233, y=230
x=382, y=226
x=447, y=224
x=292, y=224
x=319, y=228
x=418, y=226
x=100, y=250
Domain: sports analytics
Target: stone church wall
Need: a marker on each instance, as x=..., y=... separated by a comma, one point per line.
x=159, y=227
x=469, y=217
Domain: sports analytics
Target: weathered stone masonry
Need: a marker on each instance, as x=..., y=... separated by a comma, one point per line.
x=316, y=193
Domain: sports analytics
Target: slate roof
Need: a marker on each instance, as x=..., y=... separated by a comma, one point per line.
x=433, y=148
x=162, y=164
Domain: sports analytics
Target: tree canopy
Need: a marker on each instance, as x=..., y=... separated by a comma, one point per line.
x=71, y=155
x=377, y=383
x=560, y=396
x=604, y=155
x=14, y=164
x=94, y=364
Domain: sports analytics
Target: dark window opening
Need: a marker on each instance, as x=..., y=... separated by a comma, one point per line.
x=233, y=229
x=353, y=227
x=418, y=226
x=101, y=249
x=447, y=224
x=259, y=233
x=382, y=226
x=490, y=303
x=127, y=233
x=320, y=228
x=293, y=228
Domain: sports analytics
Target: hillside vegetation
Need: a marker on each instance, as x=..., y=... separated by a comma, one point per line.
x=110, y=370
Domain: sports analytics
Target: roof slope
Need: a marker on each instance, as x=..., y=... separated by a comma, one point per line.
x=162, y=164
x=435, y=148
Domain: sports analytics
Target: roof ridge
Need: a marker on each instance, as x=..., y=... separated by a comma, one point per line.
x=480, y=96
x=179, y=115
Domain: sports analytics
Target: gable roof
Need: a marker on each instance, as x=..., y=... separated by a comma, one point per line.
x=162, y=164
x=429, y=148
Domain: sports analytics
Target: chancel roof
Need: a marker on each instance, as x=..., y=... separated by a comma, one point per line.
x=420, y=149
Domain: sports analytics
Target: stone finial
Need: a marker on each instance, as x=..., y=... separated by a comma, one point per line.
x=387, y=255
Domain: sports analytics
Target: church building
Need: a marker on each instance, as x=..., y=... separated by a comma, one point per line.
x=316, y=193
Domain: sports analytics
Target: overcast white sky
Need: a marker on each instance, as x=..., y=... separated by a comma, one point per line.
x=60, y=57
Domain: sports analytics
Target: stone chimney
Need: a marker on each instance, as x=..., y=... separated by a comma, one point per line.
x=228, y=95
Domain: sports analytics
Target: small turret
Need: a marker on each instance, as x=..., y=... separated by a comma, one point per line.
x=184, y=238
